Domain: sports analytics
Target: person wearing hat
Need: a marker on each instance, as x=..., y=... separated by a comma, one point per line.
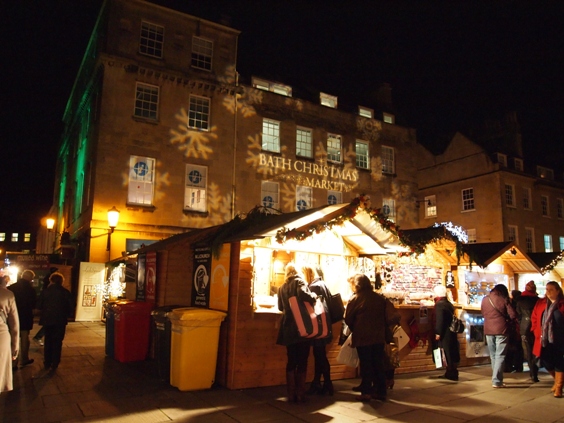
x=524, y=308
x=444, y=337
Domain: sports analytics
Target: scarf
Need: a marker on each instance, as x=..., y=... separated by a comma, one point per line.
x=547, y=336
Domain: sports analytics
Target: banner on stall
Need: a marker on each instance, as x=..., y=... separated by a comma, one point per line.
x=219, y=289
x=90, y=289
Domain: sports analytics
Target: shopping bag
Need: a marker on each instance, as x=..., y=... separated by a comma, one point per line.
x=311, y=320
x=336, y=308
x=348, y=354
x=401, y=339
x=438, y=357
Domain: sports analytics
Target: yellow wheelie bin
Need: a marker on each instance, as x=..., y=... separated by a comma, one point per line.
x=193, y=350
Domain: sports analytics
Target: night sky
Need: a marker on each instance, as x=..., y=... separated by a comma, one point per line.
x=450, y=64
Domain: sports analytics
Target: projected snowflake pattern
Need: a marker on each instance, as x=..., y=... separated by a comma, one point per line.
x=376, y=169
x=369, y=128
x=245, y=101
x=193, y=143
x=403, y=196
x=288, y=194
x=253, y=159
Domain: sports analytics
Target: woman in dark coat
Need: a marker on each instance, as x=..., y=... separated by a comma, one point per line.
x=297, y=348
x=322, y=367
x=446, y=339
x=367, y=315
x=548, y=325
x=524, y=308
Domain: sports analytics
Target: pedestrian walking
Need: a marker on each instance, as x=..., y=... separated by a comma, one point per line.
x=9, y=334
x=26, y=298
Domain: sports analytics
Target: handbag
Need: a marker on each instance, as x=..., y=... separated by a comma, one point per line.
x=457, y=325
x=311, y=320
x=348, y=355
x=336, y=308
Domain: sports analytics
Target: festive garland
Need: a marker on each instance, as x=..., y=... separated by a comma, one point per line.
x=552, y=264
x=362, y=202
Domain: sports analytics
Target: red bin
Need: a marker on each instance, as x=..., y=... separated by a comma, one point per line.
x=132, y=323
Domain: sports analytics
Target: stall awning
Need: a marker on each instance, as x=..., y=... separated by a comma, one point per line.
x=549, y=261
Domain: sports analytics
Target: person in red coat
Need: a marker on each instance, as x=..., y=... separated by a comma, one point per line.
x=547, y=323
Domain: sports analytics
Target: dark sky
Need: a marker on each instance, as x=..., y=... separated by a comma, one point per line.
x=450, y=64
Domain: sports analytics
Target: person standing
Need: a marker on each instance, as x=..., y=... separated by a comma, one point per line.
x=524, y=308
x=367, y=315
x=56, y=307
x=322, y=366
x=25, y=301
x=498, y=318
x=547, y=323
x=297, y=348
x=41, y=332
x=446, y=339
x=9, y=334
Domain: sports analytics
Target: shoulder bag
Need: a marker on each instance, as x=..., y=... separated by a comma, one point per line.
x=457, y=325
x=311, y=320
x=336, y=308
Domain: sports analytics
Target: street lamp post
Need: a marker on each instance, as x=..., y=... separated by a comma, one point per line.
x=113, y=218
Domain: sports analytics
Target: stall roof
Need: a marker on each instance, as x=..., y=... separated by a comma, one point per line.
x=549, y=261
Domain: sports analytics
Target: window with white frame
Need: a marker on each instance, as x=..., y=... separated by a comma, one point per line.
x=512, y=233
x=2, y=236
x=502, y=159
x=547, y=243
x=334, y=197
x=561, y=242
x=388, y=118
x=146, y=101
x=510, y=195
x=530, y=239
x=518, y=164
x=270, y=194
x=27, y=237
x=304, y=142
x=271, y=135
x=195, y=193
x=152, y=39
x=365, y=112
x=545, y=210
x=545, y=173
x=202, y=52
x=430, y=206
x=275, y=87
x=388, y=160
x=15, y=237
x=560, y=208
x=304, y=197
x=328, y=100
x=141, y=180
x=471, y=236
x=468, y=199
x=199, y=113
x=362, y=158
x=389, y=208
x=334, y=148
x=527, y=198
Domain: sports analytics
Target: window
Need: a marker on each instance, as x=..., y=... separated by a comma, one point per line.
x=2, y=236
x=196, y=187
x=152, y=38
x=275, y=87
x=334, y=148
x=202, y=51
x=334, y=197
x=544, y=206
x=502, y=159
x=365, y=112
x=271, y=135
x=388, y=118
x=527, y=198
x=561, y=240
x=468, y=199
x=270, y=195
x=518, y=164
x=141, y=180
x=560, y=208
x=304, y=143
x=15, y=237
x=389, y=208
x=512, y=233
x=545, y=173
x=388, y=162
x=304, y=197
x=430, y=206
x=146, y=101
x=362, y=159
x=199, y=113
x=27, y=237
x=471, y=236
x=530, y=239
x=547, y=243
x=328, y=100
x=509, y=195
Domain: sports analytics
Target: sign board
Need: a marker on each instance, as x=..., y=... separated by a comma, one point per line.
x=201, y=277
x=90, y=287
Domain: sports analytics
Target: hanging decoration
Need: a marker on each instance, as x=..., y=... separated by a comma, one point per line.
x=552, y=264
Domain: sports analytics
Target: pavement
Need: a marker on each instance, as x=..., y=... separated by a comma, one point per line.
x=90, y=387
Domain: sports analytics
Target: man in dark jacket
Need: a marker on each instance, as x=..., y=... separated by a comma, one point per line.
x=56, y=306
x=525, y=305
x=25, y=302
x=498, y=315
